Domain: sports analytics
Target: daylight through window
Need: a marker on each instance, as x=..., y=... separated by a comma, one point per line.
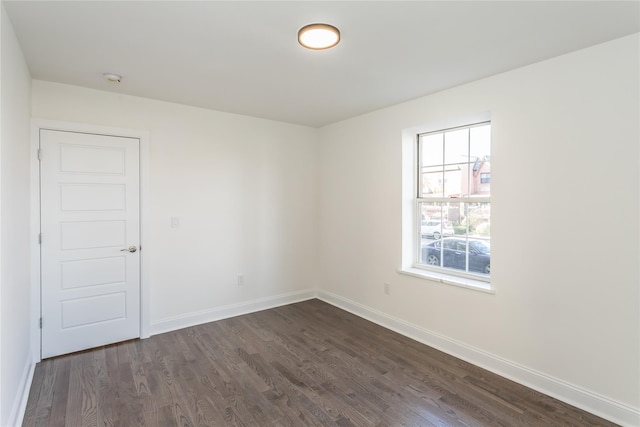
x=453, y=201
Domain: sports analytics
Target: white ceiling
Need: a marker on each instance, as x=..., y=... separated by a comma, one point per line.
x=243, y=56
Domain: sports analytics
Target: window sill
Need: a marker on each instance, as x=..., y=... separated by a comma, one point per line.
x=463, y=282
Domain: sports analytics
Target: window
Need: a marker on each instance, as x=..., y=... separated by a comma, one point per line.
x=452, y=203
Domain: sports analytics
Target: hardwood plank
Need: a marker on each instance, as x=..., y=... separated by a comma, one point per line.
x=88, y=391
x=40, y=398
x=104, y=416
x=34, y=394
x=305, y=364
x=60, y=392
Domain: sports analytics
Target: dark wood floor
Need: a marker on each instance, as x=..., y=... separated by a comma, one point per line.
x=305, y=364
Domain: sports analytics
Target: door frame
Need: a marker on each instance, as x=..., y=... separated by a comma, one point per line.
x=143, y=136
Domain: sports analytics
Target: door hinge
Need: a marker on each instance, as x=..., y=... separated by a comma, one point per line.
x=40, y=323
x=39, y=154
x=40, y=238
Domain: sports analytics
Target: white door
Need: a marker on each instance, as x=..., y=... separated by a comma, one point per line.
x=90, y=225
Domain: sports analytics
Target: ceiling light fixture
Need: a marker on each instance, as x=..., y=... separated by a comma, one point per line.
x=318, y=36
x=113, y=78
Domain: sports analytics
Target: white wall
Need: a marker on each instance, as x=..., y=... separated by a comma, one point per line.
x=15, y=351
x=243, y=188
x=565, y=221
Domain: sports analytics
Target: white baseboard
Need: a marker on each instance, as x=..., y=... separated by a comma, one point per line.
x=601, y=406
x=22, y=394
x=232, y=310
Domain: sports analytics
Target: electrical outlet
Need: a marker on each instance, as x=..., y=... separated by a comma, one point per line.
x=240, y=281
x=387, y=289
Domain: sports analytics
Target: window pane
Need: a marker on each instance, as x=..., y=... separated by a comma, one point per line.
x=434, y=223
x=480, y=142
x=432, y=226
x=432, y=181
x=479, y=220
x=456, y=180
x=456, y=146
x=431, y=254
x=431, y=147
x=480, y=156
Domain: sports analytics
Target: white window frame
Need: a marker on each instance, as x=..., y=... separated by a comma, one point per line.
x=411, y=217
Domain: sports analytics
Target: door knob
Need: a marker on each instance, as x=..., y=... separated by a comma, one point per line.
x=131, y=249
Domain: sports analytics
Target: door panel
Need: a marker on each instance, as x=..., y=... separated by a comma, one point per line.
x=92, y=197
x=92, y=234
x=92, y=272
x=90, y=213
x=95, y=309
x=92, y=160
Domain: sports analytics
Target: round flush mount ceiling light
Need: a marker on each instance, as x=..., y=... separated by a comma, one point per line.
x=113, y=78
x=318, y=36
